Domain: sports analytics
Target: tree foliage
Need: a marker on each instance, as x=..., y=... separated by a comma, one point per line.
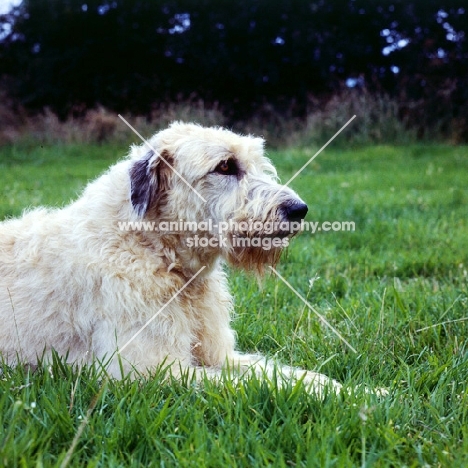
x=129, y=54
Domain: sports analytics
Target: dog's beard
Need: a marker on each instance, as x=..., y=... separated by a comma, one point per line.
x=256, y=251
x=253, y=259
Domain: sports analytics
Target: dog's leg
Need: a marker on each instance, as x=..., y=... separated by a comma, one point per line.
x=314, y=382
x=240, y=366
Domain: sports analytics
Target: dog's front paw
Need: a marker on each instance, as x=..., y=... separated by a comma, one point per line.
x=320, y=385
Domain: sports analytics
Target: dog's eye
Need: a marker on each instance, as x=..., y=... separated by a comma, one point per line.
x=227, y=167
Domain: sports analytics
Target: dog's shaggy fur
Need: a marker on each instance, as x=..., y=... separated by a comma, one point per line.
x=72, y=280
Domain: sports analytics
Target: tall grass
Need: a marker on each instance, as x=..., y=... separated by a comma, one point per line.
x=380, y=119
x=99, y=125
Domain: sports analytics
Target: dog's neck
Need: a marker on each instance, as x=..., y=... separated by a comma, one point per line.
x=178, y=256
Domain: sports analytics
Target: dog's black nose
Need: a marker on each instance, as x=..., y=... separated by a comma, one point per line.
x=295, y=211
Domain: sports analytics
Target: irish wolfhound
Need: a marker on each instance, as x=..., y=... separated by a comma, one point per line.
x=84, y=281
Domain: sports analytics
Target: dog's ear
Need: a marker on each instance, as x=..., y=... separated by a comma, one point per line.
x=149, y=177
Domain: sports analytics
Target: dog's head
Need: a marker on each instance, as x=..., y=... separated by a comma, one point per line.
x=220, y=189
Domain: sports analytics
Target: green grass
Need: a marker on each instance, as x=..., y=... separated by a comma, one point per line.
x=396, y=288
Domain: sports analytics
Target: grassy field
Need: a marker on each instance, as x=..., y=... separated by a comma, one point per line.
x=396, y=288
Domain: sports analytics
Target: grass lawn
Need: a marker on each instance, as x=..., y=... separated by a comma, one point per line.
x=396, y=288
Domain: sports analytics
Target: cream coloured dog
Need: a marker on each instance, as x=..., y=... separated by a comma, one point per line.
x=92, y=281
